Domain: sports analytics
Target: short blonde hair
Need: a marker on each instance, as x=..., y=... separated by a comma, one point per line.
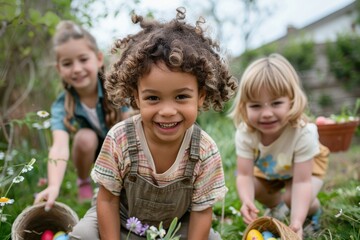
x=275, y=74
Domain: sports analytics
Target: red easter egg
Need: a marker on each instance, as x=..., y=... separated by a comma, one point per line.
x=47, y=235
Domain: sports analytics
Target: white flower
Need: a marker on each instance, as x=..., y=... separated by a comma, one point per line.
x=358, y=188
x=46, y=124
x=3, y=218
x=5, y=200
x=234, y=211
x=37, y=126
x=153, y=232
x=162, y=233
x=18, y=179
x=339, y=213
x=2, y=155
x=153, y=228
x=10, y=171
x=43, y=114
x=27, y=168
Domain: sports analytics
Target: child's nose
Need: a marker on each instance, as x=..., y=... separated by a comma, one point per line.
x=266, y=112
x=168, y=109
x=77, y=66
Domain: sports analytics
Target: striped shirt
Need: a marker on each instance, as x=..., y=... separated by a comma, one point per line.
x=113, y=164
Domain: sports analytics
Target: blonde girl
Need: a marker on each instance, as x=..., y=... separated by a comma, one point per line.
x=277, y=148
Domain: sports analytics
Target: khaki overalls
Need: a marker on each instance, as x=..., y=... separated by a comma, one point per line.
x=148, y=202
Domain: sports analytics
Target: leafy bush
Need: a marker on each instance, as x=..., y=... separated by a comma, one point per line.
x=299, y=53
x=344, y=60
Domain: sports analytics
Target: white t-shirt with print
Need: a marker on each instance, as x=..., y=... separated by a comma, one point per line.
x=296, y=144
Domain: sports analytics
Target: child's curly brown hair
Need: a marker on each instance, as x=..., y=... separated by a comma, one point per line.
x=181, y=47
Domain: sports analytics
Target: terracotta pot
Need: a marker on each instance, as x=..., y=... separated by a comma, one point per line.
x=337, y=137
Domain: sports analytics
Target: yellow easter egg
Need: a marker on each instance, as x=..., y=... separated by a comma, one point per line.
x=58, y=234
x=254, y=235
x=271, y=238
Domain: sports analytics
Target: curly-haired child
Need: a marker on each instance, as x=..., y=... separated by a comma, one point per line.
x=159, y=164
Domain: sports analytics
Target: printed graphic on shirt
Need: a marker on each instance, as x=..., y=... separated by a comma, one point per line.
x=273, y=168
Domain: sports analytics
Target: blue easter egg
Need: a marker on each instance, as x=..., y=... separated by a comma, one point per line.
x=62, y=237
x=267, y=235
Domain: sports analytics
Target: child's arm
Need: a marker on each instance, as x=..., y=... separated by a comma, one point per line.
x=246, y=189
x=200, y=224
x=300, y=195
x=58, y=156
x=108, y=214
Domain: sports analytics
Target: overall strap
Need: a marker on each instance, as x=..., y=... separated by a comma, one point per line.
x=132, y=145
x=194, y=154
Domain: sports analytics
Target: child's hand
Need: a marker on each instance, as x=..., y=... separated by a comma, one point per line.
x=249, y=212
x=297, y=229
x=49, y=195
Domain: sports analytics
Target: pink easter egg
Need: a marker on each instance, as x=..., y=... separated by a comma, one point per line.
x=321, y=120
x=47, y=235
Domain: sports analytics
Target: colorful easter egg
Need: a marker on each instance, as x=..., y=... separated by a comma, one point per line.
x=321, y=120
x=62, y=237
x=59, y=235
x=267, y=235
x=47, y=235
x=254, y=235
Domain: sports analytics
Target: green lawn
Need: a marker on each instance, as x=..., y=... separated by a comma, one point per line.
x=341, y=190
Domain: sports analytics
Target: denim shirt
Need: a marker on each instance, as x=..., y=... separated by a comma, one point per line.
x=81, y=119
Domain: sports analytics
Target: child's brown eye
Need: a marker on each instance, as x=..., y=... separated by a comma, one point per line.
x=181, y=97
x=254, y=106
x=152, y=98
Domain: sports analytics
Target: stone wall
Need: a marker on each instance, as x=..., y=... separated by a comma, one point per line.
x=320, y=83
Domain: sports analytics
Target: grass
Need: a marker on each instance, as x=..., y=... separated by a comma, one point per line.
x=341, y=189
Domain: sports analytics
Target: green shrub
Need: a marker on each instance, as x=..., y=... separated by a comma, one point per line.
x=344, y=60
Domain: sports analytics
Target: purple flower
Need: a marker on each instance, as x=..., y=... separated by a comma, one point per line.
x=143, y=229
x=134, y=225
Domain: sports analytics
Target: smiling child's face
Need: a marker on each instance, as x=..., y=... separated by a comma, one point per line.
x=168, y=102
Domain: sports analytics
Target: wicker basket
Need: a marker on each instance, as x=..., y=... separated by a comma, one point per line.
x=272, y=225
x=33, y=221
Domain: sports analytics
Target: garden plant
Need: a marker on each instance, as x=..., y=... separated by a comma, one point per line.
x=25, y=135
x=23, y=173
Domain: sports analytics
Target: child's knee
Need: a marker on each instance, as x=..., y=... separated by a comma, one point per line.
x=287, y=198
x=87, y=227
x=85, y=139
x=83, y=231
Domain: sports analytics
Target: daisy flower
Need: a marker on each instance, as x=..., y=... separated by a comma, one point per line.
x=43, y=114
x=134, y=225
x=5, y=200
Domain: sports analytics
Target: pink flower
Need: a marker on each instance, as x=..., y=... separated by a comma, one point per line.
x=42, y=182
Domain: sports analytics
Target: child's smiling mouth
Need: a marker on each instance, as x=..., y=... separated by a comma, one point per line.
x=168, y=125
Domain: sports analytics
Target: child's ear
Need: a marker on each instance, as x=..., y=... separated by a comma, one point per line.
x=202, y=96
x=100, y=58
x=136, y=97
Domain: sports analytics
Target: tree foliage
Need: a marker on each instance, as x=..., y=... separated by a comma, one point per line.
x=25, y=34
x=344, y=60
